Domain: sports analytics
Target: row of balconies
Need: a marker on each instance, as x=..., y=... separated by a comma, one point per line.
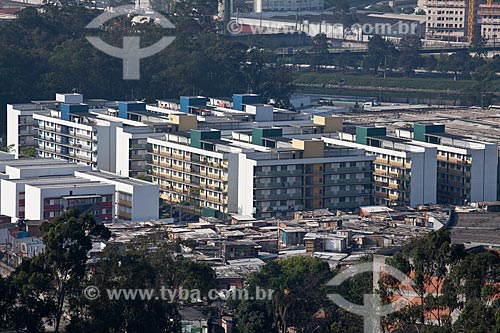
x=456, y=172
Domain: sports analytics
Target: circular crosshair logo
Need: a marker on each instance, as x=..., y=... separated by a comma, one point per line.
x=372, y=309
x=131, y=53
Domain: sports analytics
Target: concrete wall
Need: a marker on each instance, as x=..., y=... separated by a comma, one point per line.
x=106, y=147
x=423, y=182
x=9, y=197
x=13, y=129
x=245, y=185
x=122, y=152
x=145, y=202
x=484, y=173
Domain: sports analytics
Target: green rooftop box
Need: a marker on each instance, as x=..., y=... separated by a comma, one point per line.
x=362, y=133
x=259, y=133
x=420, y=130
x=199, y=135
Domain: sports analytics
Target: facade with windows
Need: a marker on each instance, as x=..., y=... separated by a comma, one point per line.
x=21, y=127
x=260, y=173
x=446, y=19
x=403, y=173
x=287, y=5
x=34, y=191
x=489, y=21
x=467, y=170
x=135, y=200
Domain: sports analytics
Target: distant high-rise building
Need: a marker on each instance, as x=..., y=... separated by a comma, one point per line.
x=293, y=5
x=489, y=21
x=446, y=19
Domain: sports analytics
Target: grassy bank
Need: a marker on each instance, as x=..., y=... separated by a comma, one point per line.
x=389, y=82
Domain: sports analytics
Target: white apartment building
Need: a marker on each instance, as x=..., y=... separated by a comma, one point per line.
x=21, y=126
x=77, y=136
x=135, y=200
x=132, y=148
x=105, y=135
x=284, y=5
x=446, y=19
x=489, y=21
x=467, y=170
x=43, y=191
x=258, y=172
x=403, y=174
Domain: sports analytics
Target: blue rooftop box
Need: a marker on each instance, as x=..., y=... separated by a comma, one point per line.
x=240, y=99
x=188, y=101
x=125, y=107
x=66, y=109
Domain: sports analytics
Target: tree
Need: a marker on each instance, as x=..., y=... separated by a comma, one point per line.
x=125, y=272
x=67, y=240
x=472, y=273
x=477, y=317
x=299, y=292
x=5, y=304
x=409, y=57
x=427, y=260
x=483, y=76
x=148, y=264
x=278, y=86
x=256, y=317
x=28, y=152
x=143, y=176
x=478, y=44
x=378, y=51
x=31, y=305
x=320, y=43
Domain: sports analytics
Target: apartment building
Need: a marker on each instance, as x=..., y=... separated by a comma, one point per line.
x=21, y=127
x=303, y=175
x=132, y=158
x=105, y=135
x=12, y=185
x=72, y=133
x=42, y=191
x=282, y=5
x=47, y=201
x=467, y=170
x=193, y=173
x=403, y=174
x=446, y=19
x=135, y=200
x=489, y=21
x=258, y=172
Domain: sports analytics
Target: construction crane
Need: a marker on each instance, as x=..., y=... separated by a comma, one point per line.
x=471, y=18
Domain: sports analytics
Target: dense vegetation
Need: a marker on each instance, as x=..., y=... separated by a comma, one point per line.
x=446, y=279
x=44, y=53
x=453, y=290
x=48, y=291
x=387, y=64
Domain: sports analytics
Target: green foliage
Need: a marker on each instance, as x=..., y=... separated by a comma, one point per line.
x=409, y=57
x=478, y=44
x=46, y=52
x=447, y=279
x=29, y=301
x=380, y=53
x=143, y=176
x=320, y=44
x=299, y=292
x=141, y=268
x=41, y=289
x=28, y=152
